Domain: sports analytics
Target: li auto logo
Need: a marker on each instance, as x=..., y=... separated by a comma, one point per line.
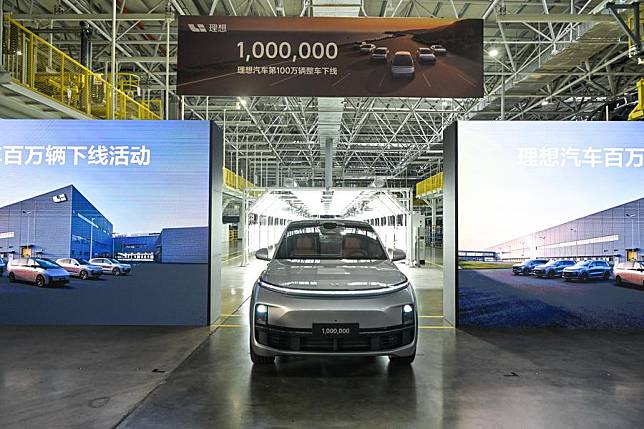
x=197, y=28
x=210, y=28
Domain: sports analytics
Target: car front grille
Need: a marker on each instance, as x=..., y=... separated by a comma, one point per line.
x=570, y=274
x=368, y=340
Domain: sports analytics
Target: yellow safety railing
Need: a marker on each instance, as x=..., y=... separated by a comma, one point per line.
x=236, y=181
x=39, y=66
x=430, y=185
x=638, y=112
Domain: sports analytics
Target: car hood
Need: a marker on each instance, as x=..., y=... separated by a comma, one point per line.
x=518, y=265
x=332, y=275
x=573, y=268
x=57, y=272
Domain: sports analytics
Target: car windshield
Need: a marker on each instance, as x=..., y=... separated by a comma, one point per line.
x=114, y=260
x=425, y=51
x=582, y=263
x=550, y=263
x=438, y=46
x=381, y=50
x=403, y=60
x=43, y=263
x=82, y=262
x=330, y=240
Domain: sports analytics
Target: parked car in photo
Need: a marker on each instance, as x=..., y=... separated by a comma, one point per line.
x=111, y=266
x=629, y=272
x=3, y=266
x=380, y=54
x=331, y=289
x=586, y=270
x=552, y=268
x=425, y=55
x=525, y=268
x=439, y=49
x=403, y=65
x=80, y=268
x=367, y=48
x=39, y=271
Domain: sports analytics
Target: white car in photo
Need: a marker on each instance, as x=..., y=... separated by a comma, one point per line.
x=403, y=65
x=425, y=55
x=331, y=289
x=111, y=266
x=39, y=271
x=439, y=49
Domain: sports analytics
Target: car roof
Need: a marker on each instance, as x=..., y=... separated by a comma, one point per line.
x=403, y=53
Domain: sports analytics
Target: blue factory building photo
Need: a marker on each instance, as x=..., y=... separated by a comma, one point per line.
x=58, y=224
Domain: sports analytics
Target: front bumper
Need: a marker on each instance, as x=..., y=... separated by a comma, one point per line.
x=570, y=275
x=291, y=318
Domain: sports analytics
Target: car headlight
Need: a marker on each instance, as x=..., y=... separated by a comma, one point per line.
x=408, y=314
x=261, y=314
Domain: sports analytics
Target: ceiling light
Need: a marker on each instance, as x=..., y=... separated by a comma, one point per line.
x=545, y=102
x=243, y=101
x=493, y=52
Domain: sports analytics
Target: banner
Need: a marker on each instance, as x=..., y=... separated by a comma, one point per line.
x=330, y=57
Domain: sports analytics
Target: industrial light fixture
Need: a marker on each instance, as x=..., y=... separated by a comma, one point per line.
x=545, y=102
x=242, y=101
x=18, y=52
x=493, y=52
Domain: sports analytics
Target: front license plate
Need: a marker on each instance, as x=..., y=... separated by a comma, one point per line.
x=335, y=330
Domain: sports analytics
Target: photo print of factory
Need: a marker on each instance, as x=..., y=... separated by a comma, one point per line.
x=63, y=223
x=615, y=234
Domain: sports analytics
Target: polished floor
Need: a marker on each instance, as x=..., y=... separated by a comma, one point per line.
x=104, y=377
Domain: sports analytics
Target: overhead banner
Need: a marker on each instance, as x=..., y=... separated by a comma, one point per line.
x=330, y=57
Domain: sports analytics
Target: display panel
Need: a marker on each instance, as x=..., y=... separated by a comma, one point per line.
x=335, y=57
x=104, y=222
x=550, y=224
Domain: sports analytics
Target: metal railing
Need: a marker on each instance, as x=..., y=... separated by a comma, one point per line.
x=235, y=181
x=36, y=64
x=430, y=185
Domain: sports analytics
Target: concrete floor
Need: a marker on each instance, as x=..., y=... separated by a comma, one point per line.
x=102, y=377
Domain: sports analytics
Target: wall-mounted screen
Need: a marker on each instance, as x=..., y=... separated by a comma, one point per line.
x=104, y=222
x=550, y=224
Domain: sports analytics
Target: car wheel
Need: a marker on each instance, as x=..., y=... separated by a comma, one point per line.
x=618, y=280
x=12, y=277
x=83, y=275
x=526, y=271
x=116, y=272
x=551, y=274
x=584, y=277
x=403, y=360
x=40, y=281
x=260, y=360
x=606, y=275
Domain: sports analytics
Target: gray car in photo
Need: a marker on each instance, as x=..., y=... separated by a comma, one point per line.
x=111, y=266
x=525, y=268
x=80, y=268
x=39, y=271
x=402, y=65
x=589, y=269
x=331, y=289
x=552, y=268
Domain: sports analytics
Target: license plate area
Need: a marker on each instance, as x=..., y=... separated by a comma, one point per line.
x=335, y=330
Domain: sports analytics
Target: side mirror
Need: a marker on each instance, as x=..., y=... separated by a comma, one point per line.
x=398, y=255
x=262, y=254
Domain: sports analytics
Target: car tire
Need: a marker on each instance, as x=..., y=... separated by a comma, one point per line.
x=606, y=275
x=40, y=281
x=583, y=277
x=526, y=271
x=551, y=274
x=116, y=272
x=618, y=280
x=12, y=277
x=83, y=275
x=260, y=360
x=403, y=360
